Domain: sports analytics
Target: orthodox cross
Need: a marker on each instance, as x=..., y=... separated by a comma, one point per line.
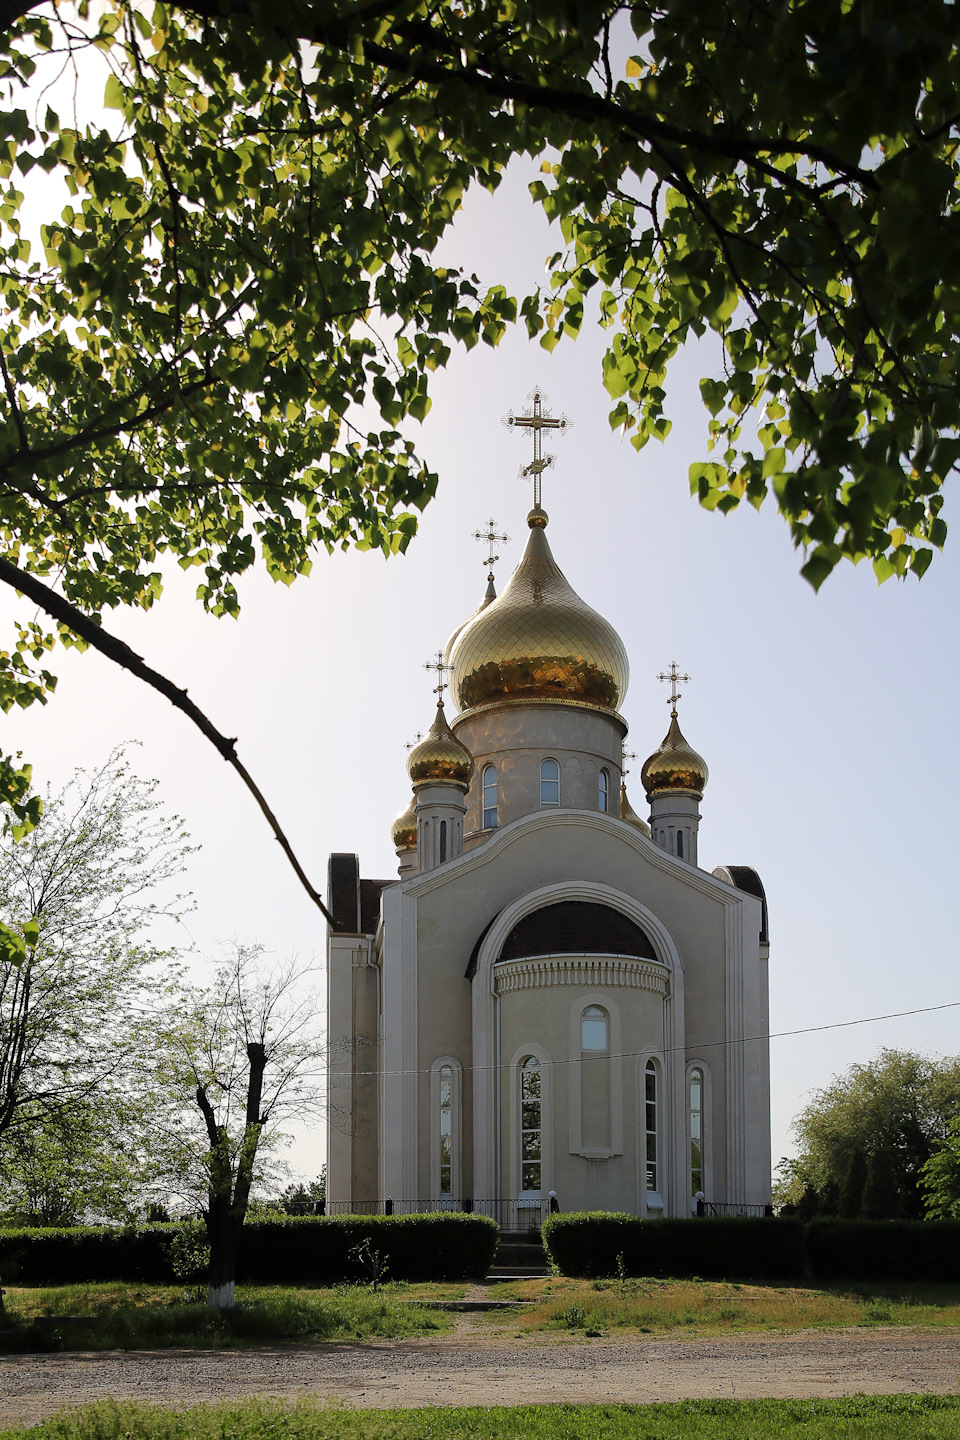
x=493, y=538
x=441, y=670
x=675, y=679
x=535, y=420
x=626, y=755
x=415, y=741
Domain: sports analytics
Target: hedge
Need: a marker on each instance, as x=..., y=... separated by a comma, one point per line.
x=884, y=1249
x=298, y=1250
x=594, y=1244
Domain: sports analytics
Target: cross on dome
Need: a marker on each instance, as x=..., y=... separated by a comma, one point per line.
x=626, y=755
x=441, y=670
x=415, y=741
x=535, y=420
x=493, y=538
x=675, y=678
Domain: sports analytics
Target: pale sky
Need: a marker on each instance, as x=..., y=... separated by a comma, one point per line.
x=824, y=719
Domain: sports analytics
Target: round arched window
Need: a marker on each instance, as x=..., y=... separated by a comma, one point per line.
x=593, y=1029
x=549, y=784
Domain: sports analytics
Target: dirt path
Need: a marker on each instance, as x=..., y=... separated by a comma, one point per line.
x=487, y=1371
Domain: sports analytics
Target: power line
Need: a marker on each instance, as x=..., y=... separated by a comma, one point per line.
x=673, y=1049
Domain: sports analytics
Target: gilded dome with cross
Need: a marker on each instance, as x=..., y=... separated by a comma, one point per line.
x=539, y=640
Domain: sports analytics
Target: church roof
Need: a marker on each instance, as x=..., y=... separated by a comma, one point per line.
x=571, y=927
x=539, y=640
x=744, y=877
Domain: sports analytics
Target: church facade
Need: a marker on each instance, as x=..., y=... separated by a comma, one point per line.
x=553, y=999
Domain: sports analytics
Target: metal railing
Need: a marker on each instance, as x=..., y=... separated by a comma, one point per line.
x=719, y=1210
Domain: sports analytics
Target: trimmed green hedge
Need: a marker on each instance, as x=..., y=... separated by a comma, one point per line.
x=884, y=1249
x=591, y=1244
x=299, y=1250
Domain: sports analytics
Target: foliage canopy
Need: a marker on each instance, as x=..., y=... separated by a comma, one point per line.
x=214, y=346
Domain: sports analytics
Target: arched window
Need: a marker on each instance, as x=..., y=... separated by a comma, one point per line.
x=446, y=1130
x=650, y=1107
x=604, y=791
x=696, y=1131
x=549, y=784
x=680, y=843
x=531, y=1126
x=593, y=1029
x=490, y=797
x=443, y=841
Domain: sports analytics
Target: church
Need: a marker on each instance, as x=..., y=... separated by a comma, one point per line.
x=553, y=1005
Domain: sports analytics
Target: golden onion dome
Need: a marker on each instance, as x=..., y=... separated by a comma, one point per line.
x=539, y=640
x=630, y=815
x=488, y=599
x=675, y=766
x=404, y=828
x=440, y=756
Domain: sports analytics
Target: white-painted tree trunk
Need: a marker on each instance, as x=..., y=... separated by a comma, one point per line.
x=221, y=1297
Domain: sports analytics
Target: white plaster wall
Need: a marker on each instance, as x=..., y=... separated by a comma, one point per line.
x=516, y=738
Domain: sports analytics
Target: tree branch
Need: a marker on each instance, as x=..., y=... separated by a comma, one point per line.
x=94, y=635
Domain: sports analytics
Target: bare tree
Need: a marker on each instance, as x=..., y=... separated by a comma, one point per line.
x=247, y=1059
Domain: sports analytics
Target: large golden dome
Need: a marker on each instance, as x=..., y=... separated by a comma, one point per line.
x=675, y=766
x=539, y=640
x=440, y=756
x=490, y=594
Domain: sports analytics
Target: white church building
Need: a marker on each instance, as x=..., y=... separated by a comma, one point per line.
x=553, y=997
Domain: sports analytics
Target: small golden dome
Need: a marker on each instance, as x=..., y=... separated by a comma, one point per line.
x=675, y=766
x=538, y=639
x=628, y=813
x=488, y=599
x=404, y=828
x=440, y=756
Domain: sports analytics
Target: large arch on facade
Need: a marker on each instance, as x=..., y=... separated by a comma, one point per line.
x=486, y=1098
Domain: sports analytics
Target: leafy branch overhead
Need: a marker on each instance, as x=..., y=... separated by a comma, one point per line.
x=212, y=348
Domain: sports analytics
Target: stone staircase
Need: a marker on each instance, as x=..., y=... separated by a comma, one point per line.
x=520, y=1256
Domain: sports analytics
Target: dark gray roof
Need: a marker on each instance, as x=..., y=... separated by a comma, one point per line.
x=745, y=878
x=353, y=903
x=571, y=927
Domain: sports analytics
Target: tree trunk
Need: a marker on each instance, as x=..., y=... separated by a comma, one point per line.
x=228, y=1194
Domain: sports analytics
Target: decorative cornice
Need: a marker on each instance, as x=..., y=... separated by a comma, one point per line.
x=592, y=971
x=524, y=701
x=506, y=835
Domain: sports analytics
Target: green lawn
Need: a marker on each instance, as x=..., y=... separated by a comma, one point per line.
x=883, y=1417
x=131, y=1317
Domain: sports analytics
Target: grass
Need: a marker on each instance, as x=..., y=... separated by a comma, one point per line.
x=133, y=1317
x=699, y=1307
x=879, y=1417
x=145, y=1316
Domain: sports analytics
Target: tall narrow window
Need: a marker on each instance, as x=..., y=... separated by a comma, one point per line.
x=650, y=1095
x=696, y=1131
x=680, y=843
x=443, y=841
x=490, y=797
x=531, y=1125
x=549, y=784
x=604, y=797
x=593, y=1029
x=446, y=1130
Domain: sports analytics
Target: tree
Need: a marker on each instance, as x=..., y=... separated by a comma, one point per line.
x=247, y=1060
x=78, y=1016
x=941, y=1176
x=243, y=275
x=883, y=1119
x=851, y=1191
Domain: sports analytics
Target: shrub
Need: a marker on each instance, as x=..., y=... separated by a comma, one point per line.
x=884, y=1250
x=596, y=1244
x=302, y=1250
